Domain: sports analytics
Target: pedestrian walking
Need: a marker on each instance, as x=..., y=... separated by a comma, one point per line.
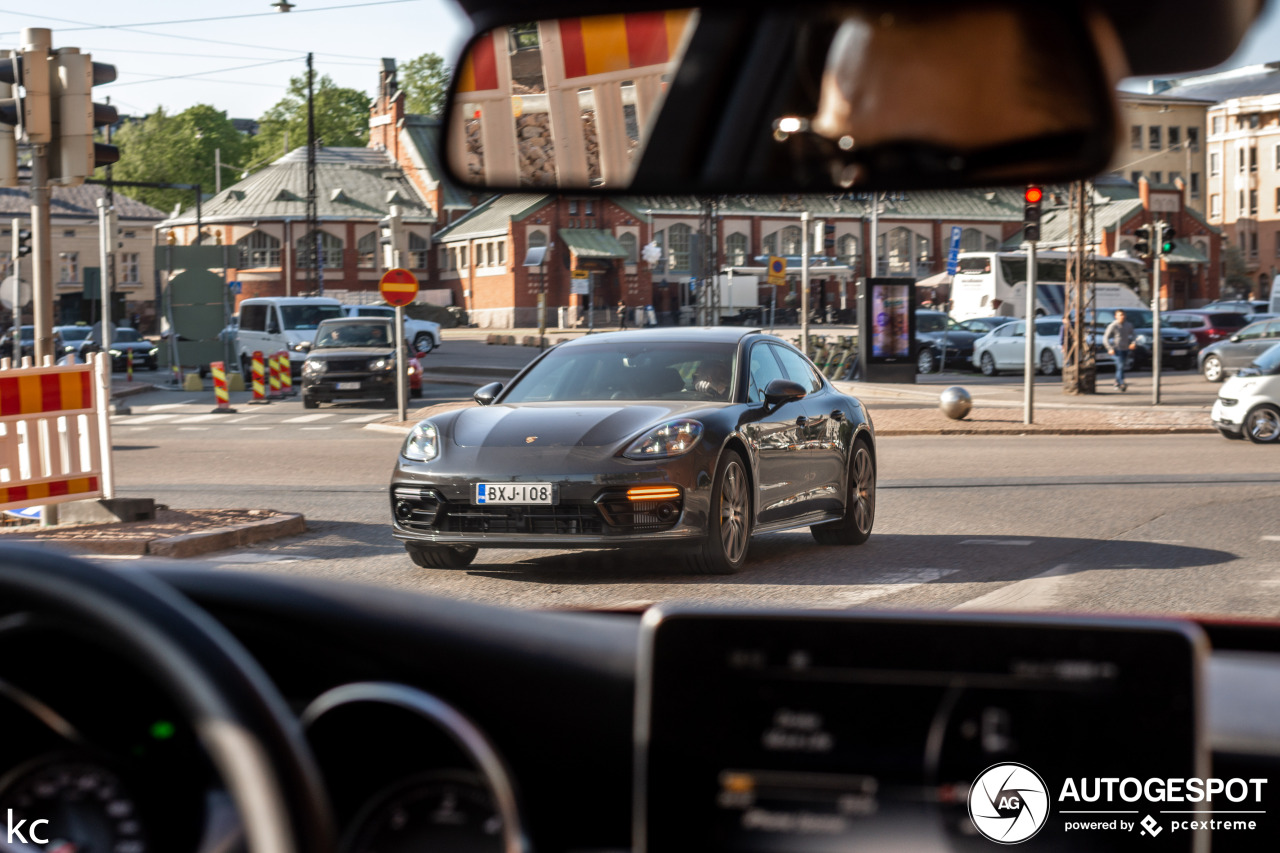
x=1119, y=339
x=622, y=316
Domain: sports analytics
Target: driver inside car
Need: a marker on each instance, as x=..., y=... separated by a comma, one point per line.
x=711, y=380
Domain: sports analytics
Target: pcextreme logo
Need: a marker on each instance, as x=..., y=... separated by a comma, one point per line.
x=1008, y=803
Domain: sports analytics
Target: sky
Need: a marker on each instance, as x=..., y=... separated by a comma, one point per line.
x=238, y=55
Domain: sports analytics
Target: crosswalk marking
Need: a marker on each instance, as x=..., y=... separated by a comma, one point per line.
x=147, y=419
x=302, y=419
x=254, y=429
x=304, y=429
x=198, y=419
x=242, y=418
x=362, y=419
x=882, y=585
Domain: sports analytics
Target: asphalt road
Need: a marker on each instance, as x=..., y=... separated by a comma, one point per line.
x=1112, y=523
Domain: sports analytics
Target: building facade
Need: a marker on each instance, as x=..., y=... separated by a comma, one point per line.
x=1163, y=140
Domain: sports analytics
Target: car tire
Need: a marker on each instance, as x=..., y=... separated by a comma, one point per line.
x=859, y=503
x=440, y=556
x=728, y=522
x=1234, y=436
x=987, y=364
x=1212, y=368
x=309, y=402
x=1048, y=364
x=1262, y=425
x=424, y=342
x=926, y=361
x=416, y=393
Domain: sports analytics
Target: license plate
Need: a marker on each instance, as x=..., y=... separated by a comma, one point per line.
x=1177, y=352
x=348, y=386
x=515, y=493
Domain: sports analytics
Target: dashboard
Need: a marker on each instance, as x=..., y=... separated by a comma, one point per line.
x=441, y=725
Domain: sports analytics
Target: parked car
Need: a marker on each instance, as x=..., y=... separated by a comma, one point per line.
x=71, y=339
x=353, y=358
x=1206, y=326
x=684, y=438
x=983, y=324
x=1248, y=404
x=1177, y=345
x=936, y=331
x=1004, y=348
x=422, y=335
x=1224, y=358
x=123, y=342
x=1242, y=306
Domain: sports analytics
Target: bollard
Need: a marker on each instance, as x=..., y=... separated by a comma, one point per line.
x=220, y=392
x=273, y=362
x=286, y=373
x=259, y=383
x=177, y=376
x=128, y=365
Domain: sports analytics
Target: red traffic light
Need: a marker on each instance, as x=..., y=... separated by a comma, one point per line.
x=1033, y=195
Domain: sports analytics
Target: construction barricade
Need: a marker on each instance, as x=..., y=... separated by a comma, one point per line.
x=220, y=392
x=55, y=433
x=259, y=382
x=286, y=373
x=273, y=362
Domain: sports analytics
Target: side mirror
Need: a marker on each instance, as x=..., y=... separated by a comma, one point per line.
x=486, y=395
x=781, y=391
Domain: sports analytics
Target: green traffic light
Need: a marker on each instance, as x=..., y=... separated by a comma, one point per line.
x=163, y=730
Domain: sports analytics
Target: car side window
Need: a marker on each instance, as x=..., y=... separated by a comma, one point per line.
x=1018, y=330
x=1252, y=332
x=1272, y=330
x=799, y=370
x=764, y=369
x=253, y=318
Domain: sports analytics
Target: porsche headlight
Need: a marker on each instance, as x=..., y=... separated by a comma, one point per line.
x=670, y=439
x=423, y=443
x=313, y=367
x=388, y=363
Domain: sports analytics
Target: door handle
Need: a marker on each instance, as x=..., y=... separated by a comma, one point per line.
x=837, y=415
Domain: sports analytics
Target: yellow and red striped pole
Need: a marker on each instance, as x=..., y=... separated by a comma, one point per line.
x=286, y=373
x=273, y=363
x=259, y=384
x=128, y=364
x=220, y=392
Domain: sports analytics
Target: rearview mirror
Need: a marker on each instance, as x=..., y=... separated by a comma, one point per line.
x=1235, y=339
x=804, y=97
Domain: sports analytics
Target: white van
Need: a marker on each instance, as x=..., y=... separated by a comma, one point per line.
x=269, y=324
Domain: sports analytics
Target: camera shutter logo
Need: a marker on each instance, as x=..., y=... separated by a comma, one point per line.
x=1008, y=803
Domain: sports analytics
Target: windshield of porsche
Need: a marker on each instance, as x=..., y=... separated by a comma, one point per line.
x=656, y=371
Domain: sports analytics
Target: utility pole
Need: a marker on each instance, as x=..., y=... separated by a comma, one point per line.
x=804, y=282
x=1163, y=235
x=313, y=218
x=1031, y=231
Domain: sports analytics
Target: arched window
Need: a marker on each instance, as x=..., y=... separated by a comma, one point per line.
x=898, y=251
x=923, y=250
x=678, y=246
x=367, y=250
x=735, y=248
x=847, y=249
x=628, y=242
x=258, y=250
x=418, y=248
x=791, y=240
x=973, y=240
x=537, y=238
x=330, y=251
x=769, y=245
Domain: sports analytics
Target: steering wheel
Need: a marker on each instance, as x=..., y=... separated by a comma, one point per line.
x=242, y=722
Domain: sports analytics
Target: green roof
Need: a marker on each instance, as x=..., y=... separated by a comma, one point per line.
x=493, y=216
x=592, y=243
x=424, y=136
x=351, y=184
x=1055, y=224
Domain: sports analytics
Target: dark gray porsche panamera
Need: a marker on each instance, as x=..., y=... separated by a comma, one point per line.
x=692, y=439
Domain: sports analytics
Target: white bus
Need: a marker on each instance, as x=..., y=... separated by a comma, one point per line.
x=994, y=283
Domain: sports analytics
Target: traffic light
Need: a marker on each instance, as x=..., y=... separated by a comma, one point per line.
x=390, y=228
x=24, y=99
x=1142, y=248
x=74, y=156
x=1166, y=238
x=1031, y=213
x=24, y=242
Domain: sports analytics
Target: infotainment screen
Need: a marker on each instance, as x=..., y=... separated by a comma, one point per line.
x=931, y=733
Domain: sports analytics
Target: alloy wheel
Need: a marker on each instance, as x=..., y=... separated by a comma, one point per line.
x=734, y=506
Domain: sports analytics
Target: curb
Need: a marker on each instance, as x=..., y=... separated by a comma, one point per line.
x=191, y=544
x=132, y=391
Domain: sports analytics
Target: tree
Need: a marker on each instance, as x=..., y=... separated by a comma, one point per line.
x=1237, y=281
x=178, y=149
x=425, y=82
x=342, y=119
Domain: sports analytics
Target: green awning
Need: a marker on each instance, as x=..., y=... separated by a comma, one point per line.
x=592, y=243
x=1185, y=252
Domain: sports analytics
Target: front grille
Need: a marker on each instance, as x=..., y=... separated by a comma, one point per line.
x=566, y=519
x=416, y=508
x=348, y=365
x=640, y=516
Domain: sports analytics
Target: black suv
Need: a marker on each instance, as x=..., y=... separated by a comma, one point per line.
x=352, y=358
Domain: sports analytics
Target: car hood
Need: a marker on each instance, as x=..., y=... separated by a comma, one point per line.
x=561, y=425
x=953, y=338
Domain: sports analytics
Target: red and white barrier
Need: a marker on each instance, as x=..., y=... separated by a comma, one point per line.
x=220, y=391
x=259, y=382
